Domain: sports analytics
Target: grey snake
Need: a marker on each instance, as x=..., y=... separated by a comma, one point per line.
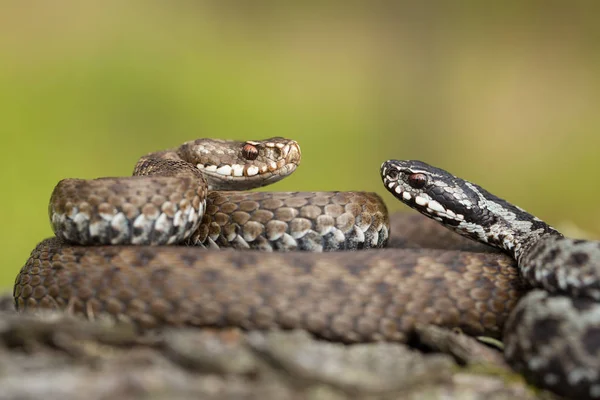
x=305, y=281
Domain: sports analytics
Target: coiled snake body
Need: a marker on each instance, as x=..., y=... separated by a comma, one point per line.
x=370, y=295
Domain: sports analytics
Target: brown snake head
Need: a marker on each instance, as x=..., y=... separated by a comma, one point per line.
x=234, y=165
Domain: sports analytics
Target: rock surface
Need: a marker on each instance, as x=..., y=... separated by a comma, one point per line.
x=56, y=356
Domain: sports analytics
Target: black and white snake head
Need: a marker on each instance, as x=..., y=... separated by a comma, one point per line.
x=436, y=193
x=462, y=206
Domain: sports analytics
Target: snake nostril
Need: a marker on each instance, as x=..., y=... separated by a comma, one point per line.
x=392, y=174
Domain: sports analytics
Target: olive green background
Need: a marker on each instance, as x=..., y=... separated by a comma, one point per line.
x=506, y=94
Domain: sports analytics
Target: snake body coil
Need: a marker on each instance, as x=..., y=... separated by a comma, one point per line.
x=177, y=197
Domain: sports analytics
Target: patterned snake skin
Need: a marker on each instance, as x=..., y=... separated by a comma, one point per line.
x=553, y=335
x=177, y=197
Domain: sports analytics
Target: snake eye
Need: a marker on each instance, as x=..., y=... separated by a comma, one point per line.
x=249, y=151
x=417, y=181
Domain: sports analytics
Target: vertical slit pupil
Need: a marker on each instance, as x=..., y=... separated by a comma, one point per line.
x=417, y=181
x=249, y=151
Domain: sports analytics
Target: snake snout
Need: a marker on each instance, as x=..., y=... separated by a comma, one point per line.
x=292, y=153
x=393, y=174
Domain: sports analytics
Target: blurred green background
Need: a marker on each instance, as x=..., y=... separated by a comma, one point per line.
x=506, y=94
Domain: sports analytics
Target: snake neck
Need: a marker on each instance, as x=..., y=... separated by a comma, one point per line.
x=525, y=243
x=514, y=236
x=507, y=226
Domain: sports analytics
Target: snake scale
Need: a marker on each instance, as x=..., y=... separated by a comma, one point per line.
x=540, y=295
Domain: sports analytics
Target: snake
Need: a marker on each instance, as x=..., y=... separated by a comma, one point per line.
x=152, y=250
x=553, y=334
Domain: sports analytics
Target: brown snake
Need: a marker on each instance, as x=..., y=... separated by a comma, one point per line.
x=351, y=296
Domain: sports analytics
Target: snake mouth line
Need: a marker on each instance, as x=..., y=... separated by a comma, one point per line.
x=216, y=180
x=240, y=171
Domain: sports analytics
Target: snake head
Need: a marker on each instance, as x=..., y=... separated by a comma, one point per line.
x=235, y=165
x=434, y=192
x=462, y=206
